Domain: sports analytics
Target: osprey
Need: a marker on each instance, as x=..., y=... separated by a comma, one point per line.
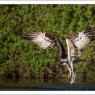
x=75, y=44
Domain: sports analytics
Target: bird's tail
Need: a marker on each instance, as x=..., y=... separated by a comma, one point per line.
x=90, y=34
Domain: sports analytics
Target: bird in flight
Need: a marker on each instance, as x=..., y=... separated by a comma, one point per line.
x=75, y=43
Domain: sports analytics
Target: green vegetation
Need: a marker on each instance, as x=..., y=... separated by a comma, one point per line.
x=22, y=60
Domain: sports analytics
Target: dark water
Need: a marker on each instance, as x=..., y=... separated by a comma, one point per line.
x=40, y=84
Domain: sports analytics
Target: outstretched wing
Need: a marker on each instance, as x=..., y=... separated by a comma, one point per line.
x=75, y=44
x=82, y=38
x=43, y=40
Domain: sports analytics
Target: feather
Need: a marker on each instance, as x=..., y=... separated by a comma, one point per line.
x=90, y=35
x=81, y=39
x=41, y=39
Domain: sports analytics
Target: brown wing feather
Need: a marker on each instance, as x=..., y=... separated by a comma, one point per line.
x=82, y=38
x=90, y=34
x=41, y=39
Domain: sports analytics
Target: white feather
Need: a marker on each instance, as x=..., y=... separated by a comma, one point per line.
x=81, y=40
x=41, y=40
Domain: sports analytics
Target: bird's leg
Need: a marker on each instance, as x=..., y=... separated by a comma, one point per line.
x=65, y=63
x=72, y=73
x=69, y=66
x=69, y=69
x=71, y=52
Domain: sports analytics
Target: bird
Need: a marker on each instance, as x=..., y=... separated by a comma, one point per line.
x=75, y=44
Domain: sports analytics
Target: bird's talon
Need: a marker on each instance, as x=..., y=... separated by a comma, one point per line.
x=69, y=76
x=72, y=79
